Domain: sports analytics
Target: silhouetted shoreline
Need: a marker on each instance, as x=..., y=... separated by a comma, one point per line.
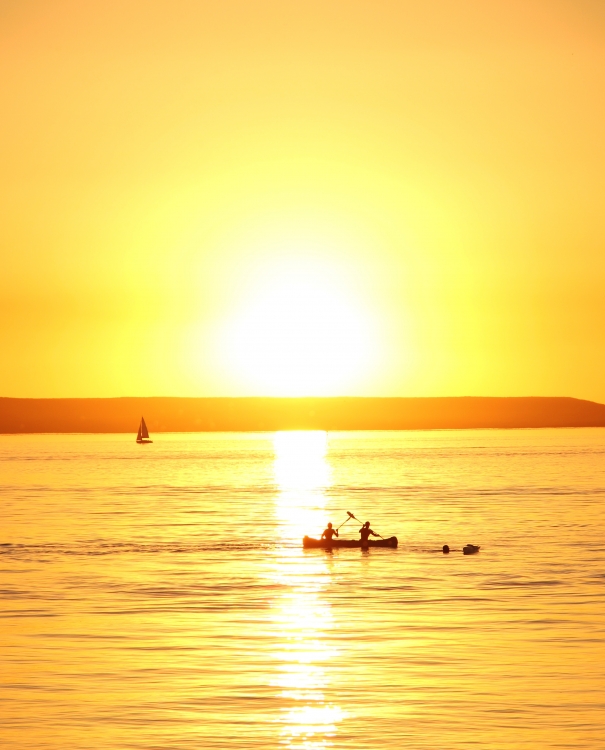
x=165, y=414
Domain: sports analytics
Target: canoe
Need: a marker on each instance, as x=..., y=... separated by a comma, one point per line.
x=310, y=543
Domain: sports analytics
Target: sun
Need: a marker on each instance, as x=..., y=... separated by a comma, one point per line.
x=300, y=332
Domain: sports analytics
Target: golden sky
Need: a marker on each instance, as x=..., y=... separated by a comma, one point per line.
x=280, y=198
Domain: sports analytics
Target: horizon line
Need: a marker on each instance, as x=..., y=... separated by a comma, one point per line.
x=289, y=398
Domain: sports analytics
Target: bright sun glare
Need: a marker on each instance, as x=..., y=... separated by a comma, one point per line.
x=300, y=333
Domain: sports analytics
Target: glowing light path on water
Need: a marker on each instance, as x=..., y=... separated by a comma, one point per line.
x=301, y=615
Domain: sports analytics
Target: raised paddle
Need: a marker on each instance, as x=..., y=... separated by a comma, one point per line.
x=348, y=519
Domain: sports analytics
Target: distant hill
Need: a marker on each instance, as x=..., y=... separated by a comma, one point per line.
x=21, y=415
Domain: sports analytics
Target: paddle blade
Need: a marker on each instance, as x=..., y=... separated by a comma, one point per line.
x=350, y=514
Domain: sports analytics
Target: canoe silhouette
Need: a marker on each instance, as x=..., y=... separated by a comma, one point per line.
x=310, y=543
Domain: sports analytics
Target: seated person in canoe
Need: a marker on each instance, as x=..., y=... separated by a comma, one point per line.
x=365, y=532
x=329, y=532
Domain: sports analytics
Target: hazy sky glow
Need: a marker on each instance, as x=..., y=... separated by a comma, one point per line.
x=370, y=198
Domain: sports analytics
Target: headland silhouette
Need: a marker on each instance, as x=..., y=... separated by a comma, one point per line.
x=166, y=414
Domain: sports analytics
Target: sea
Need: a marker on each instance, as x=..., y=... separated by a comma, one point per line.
x=158, y=596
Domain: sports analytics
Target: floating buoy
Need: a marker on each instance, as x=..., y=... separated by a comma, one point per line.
x=445, y=549
x=470, y=549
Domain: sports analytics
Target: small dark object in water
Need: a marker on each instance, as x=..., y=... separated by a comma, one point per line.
x=446, y=549
x=470, y=549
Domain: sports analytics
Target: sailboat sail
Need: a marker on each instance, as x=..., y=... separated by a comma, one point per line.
x=143, y=433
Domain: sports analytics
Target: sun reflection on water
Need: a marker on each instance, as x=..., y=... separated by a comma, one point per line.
x=302, y=475
x=302, y=615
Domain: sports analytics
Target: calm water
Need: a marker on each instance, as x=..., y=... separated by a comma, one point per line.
x=158, y=596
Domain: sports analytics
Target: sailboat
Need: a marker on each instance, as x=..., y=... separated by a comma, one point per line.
x=143, y=433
